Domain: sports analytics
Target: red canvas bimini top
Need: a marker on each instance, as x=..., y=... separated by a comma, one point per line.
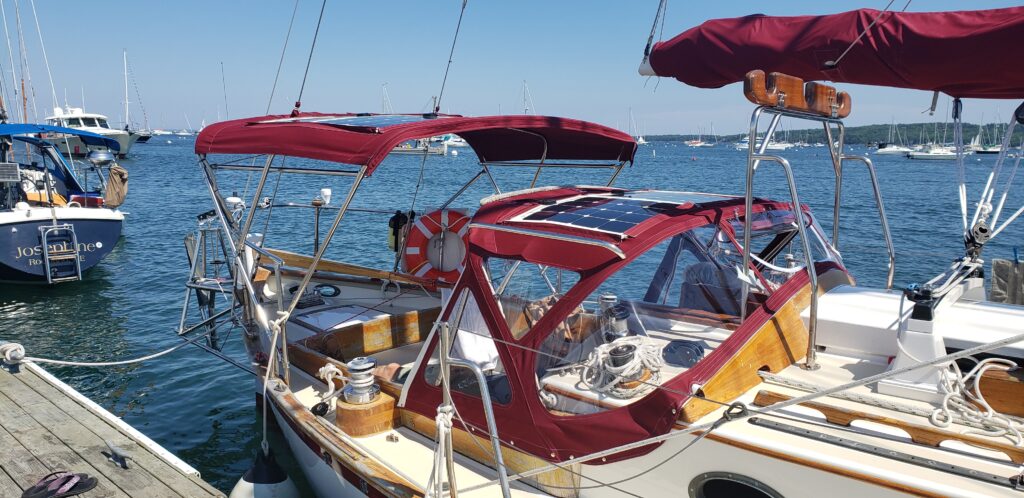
x=366, y=139
x=963, y=54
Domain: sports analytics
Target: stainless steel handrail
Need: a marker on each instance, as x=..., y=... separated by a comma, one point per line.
x=492, y=428
x=810, y=362
x=553, y=236
x=881, y=215
x=485, y=396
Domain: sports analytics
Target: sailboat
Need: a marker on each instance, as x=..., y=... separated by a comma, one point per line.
x=893, y=144
x=634, y=131
x=389, y=311
x=874, y=403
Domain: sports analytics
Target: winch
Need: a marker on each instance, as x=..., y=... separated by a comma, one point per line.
x=361, y=388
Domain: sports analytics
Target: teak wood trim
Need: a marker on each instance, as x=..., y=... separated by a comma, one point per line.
x=920, y=434
x=310, y=361
x=303, y=261
x=385, y=481
x=789, y=92
x=374, y=336
x=1004, y=391
x=515, y=461
x=779, y=343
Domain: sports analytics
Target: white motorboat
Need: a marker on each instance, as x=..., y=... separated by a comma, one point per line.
x=55, y=222
x=77, y=119
x=934, y=152
x=888, y=149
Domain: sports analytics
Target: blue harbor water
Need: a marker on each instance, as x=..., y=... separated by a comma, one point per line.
x=203, y=409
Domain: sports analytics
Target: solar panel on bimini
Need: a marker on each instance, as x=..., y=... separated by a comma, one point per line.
x=369, y=121
x=605, y=214
x=380, y=121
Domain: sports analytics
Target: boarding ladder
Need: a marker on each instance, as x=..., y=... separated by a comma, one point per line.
x=60, y=253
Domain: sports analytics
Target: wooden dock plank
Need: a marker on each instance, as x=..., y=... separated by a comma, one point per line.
x=185, y=485
x=8, y=488
x=43, y=429
x=18, y=463
x=48, y=448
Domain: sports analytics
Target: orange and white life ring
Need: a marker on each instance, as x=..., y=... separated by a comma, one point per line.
x=436, y=247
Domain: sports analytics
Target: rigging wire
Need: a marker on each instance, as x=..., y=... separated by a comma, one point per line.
x=444, y=81
x=833, y=64
x=316, y=34
x=10, y=54
x=138, y=95
x=224, y=89
x=280, y=62
x=42, y=46
x=26, y=73
x=658, y=16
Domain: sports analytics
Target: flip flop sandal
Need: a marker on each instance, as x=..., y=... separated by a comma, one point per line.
x=60, y=484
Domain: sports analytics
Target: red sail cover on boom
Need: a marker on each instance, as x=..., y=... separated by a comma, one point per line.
x=963, y=54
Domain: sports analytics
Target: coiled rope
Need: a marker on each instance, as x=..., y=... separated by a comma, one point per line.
x=964, y=398
x=600, y=375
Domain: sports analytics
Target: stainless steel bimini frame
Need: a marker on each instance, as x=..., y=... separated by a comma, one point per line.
x=238, y=235
x=835, y=147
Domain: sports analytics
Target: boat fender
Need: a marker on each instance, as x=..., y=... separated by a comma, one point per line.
x=395, y=226
x=265, y=479
x=436, y=246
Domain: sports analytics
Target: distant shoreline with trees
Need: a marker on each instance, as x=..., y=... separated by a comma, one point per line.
x=910, y=134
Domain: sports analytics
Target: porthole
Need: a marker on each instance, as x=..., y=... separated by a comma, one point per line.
x=729, y=485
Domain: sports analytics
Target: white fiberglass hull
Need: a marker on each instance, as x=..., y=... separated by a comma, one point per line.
x=73, y=145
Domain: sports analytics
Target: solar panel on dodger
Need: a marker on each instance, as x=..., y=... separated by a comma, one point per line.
x=613, y=215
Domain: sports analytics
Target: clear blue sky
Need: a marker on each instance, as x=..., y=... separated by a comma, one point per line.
x=579, y=58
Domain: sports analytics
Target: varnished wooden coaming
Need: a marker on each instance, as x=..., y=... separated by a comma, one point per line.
x=777, y=344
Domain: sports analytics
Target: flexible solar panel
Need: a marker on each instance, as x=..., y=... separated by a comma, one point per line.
x=369, y=121
x=606, y=214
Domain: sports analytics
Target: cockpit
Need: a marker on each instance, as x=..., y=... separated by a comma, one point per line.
x=603, y=338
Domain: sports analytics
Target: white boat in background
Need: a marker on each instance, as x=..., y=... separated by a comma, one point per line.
x=448, y=140
x=420, y=147
x=634, y=131
x=934, y=152
x=887, y=149
x=77, y=119
x=745, y=144
x=893, y=145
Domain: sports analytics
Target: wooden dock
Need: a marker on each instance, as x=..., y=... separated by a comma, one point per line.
x=46, y=426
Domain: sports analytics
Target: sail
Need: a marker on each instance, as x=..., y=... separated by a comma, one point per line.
x=963, y=53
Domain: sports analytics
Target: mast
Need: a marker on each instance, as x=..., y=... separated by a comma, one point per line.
x=124, y=53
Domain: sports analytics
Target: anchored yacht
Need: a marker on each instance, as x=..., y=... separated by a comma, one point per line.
x=77, y=119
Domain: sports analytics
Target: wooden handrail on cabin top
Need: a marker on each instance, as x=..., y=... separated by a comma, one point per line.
x=920, y=434
x=302, y=261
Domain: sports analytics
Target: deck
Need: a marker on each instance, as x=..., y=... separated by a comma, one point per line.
x=46, y=426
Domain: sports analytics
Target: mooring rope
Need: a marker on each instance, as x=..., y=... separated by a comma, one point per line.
x=14, y=353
